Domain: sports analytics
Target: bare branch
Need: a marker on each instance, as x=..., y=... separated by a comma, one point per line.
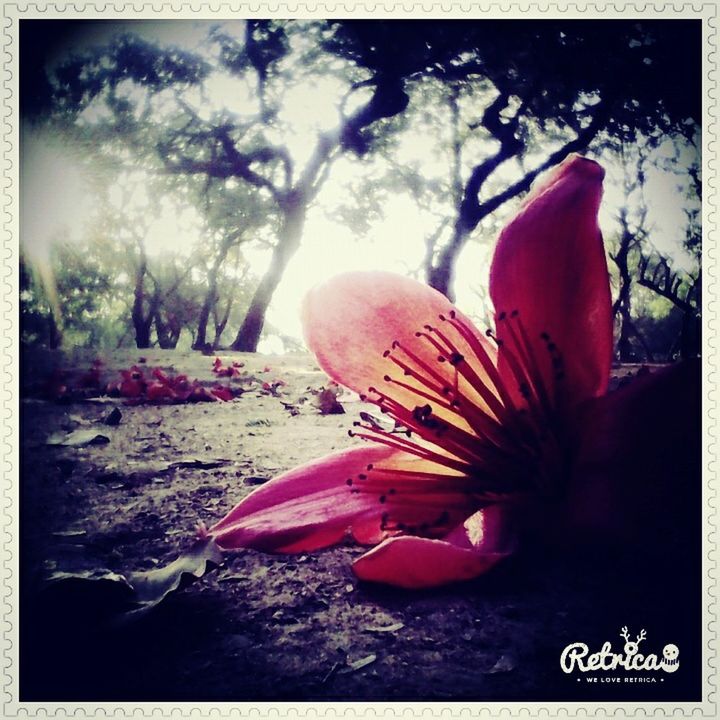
x=666, y=283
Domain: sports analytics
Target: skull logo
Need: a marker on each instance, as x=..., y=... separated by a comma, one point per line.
x=670, y=661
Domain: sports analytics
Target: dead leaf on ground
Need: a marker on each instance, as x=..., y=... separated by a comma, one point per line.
x=139, y=471
x=326, y=400
x=359, y=664
x=387, y=628
x=153, y=586
x=114, y=417
x=101, y=400
x=131, y=595
x=77, y=438
x=505, y=663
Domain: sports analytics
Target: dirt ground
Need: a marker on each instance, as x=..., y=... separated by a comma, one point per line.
x=286, y=628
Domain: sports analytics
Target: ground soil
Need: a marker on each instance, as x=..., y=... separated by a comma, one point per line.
x=302, y=627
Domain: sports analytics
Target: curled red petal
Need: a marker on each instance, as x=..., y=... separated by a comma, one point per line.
x=417, y=562
x=549, y=264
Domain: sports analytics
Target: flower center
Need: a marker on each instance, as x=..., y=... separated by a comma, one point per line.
x=479, y=419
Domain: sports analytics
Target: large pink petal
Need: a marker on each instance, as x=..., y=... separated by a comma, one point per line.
x=313, y=506
x=417, y=562
x=550, y=265
x=352, y=319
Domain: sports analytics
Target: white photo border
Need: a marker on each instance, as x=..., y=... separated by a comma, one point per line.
x=12, y=13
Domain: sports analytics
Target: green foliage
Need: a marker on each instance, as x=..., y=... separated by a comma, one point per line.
x=86, y=295
x=648, y=71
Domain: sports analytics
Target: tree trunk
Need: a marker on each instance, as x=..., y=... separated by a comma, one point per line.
x=441, y=275
x=204, y=317
x=221, y=323
x=622, y=306
x=165, y=336
x=288, y=242
x=141, y=323
x=211, y=297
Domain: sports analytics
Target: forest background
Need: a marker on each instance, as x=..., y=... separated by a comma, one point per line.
x=184, y=182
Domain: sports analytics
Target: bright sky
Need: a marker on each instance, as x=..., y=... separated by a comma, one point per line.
x=60, y=200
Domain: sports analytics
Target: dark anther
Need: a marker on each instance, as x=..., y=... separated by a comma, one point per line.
x=544, y=336
x=551, y=346
x=418, y=334
x=441, y=358
x=369, y=467
x=442, y=317
x=429, y=328
x=349, y=482
x=446, y=390
x=514, y=313
x=395, y=344
x=382, y=499
x=452, y=314
x=387, y=378
x=362, y=476
x=489, y=332
x=351, y=433
x=362, y=397
x=456, y=359
x=391, y=491
x=386, y=353
x=401, y=526
x=525, y=390
x=502, y=315
x=356, y=423
x=425, y=410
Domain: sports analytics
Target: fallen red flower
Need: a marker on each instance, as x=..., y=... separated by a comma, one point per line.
x=132, y=384
x=498, y=425
x=222, y=393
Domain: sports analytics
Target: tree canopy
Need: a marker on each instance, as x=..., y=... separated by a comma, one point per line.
x=503, y=99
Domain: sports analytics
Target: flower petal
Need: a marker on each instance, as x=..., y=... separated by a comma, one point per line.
x=304, y=509
x=314, y=505
x=417, y=562
x=353, y=318
x=550, y=265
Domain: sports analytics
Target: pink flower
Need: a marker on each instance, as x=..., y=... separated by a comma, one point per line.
x=487, y=424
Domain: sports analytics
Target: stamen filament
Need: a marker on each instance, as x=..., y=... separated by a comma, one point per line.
x=486, y=361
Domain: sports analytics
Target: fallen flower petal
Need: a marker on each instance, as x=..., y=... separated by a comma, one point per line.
x=419, y=562
x=222, y=393
x=159, y=391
